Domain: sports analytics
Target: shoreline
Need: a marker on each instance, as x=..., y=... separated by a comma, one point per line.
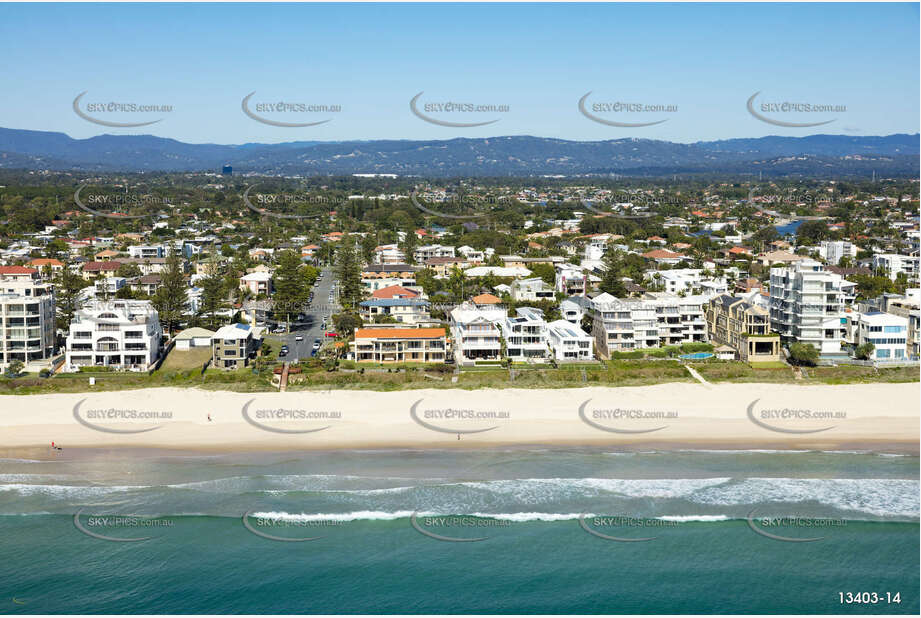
x=880, y=418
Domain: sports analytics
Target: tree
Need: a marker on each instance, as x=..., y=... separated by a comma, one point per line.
x=172, y=296
x=864, y=351
x=291, y=286
x=348, y=272
x=128, y=270
x=346, y=323
x=611, y=281
x=67, y=288
x=804, y=354
x=409, y=246
x=213, y=294
x=14, y=368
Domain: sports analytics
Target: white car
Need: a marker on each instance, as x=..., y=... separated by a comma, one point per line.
x=299, y=338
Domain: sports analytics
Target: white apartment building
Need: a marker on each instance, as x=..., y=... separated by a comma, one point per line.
x=659, y=319
x=887, y=332
x=568, y=342
x=807, y=305
x=26, y=321
x=833, y=250
x=687, y=281
x=526, y=335
x=389, y=254
x=143, y=252
x=680, y=319
x=426, y=252
x=623, y=325
x=476, y=332
x=124, y=333
x=892, y=264
x=530, y=290
x=473, y=256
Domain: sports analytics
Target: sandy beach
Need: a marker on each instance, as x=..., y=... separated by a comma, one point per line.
x=880, y=417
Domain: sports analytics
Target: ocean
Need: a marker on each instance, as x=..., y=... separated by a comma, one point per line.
x=524, y=530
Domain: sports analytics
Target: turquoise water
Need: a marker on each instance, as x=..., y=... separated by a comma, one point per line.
x=696, y=355
x=704, y=557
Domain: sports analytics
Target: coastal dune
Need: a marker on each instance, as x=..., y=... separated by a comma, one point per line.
x=879, y=417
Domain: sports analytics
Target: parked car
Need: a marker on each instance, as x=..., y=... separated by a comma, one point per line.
x=316, y=344
x=299, y=337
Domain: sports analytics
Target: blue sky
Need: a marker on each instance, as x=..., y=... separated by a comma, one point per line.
x=537, y=59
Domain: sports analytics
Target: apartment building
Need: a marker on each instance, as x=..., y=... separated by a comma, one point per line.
x=124, y=334
x=833, y=250
x=400, y=345
x=680, y=319
x=568, y=342
x=807, y=305
x=377, y=276
x=389, y=254
x=687, y=281
x=407, y=310
x=526, y=335
x=893, y=264
x=531, y=290
x=144, y=252
x=623, y=325
x=258, y=282
x=744, y=327
x=26, y=318
x=233, y=346
x=476, y=332
x=427, y=252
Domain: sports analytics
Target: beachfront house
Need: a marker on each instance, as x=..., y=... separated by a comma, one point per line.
x=746, y=328
x=234, y=346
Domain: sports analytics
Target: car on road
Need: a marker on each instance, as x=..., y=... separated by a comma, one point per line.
x=278, y=329
x=299, y=338
x=316, y=344
x=283, y=351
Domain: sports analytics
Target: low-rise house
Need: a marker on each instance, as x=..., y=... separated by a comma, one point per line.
x=233, y=346
x=568, y=342
x=664, y=256
x=572, y=311
x=91, y=270
x=195, y=337
x=399, y=345
x=443, y=266
x=124, y=334
x=497, y=271
x=744, y=327
x=47, y=267
x=531, y=290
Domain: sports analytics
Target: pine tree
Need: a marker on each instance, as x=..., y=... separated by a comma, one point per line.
x=291, y=287
x=214, y=293
x=67, y=287
x=611, y=281
x=172, y=296
x=348, y=272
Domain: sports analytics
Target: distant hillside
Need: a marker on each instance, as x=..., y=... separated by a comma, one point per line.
x=815, y=155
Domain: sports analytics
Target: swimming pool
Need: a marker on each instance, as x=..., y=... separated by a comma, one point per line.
x=696, y=356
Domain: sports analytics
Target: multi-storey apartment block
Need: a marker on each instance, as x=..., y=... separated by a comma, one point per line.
x=807, y=305
x=400, y=345
x=893, y=264
x=26, y=317
x=887, y=332
x=746, y=328
x=124, y=334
